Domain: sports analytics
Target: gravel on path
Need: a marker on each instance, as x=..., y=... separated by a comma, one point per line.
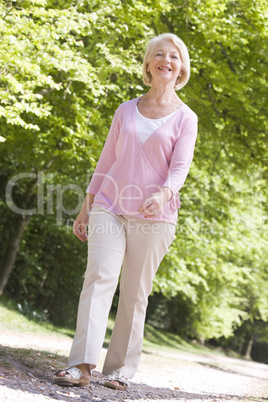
x=161, y=376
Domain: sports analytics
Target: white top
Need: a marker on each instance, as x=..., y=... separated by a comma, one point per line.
x=145, y=127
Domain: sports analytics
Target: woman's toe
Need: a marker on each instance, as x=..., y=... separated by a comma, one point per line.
x=63, y=373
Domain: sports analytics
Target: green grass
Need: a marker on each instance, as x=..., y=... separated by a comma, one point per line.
x=11, y=319
x=155, y=340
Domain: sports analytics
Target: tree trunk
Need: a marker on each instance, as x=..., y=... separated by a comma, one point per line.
x=11, y=253
x=249, y=348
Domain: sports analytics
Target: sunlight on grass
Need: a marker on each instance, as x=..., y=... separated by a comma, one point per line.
x=155, y=340
x=12, y=320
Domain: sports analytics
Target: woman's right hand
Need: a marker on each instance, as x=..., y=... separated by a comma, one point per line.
x=80, y=224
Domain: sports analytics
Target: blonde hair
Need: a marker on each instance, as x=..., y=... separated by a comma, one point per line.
x=185, y=69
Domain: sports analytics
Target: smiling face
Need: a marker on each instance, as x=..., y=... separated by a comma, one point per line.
x=165, y=63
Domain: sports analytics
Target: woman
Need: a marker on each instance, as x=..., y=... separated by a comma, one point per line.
x=131, y=212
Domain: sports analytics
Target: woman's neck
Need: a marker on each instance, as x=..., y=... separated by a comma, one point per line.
x=161, y=95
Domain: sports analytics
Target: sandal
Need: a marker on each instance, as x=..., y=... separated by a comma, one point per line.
x=76, y=378
x=116, y=382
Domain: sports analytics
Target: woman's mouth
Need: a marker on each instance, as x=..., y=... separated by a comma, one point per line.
x=164, y=68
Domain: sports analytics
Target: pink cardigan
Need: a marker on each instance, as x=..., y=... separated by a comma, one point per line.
x=128, y=172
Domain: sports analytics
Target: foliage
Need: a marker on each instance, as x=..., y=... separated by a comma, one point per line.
x=64, y=68
x=218, y=263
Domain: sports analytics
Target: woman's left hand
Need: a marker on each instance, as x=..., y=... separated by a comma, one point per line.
x=153, y=204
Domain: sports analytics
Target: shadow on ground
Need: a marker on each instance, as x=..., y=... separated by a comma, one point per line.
x=26, y=373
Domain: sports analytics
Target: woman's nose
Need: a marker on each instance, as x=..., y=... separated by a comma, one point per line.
x=167, y=58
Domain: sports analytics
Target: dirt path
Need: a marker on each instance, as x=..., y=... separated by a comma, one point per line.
x=161, y=375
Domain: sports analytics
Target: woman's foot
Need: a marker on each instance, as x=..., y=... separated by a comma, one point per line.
x=86, y=369
x=76, y=375
x=116, y=382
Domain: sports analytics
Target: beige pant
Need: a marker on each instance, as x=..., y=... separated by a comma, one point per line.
x=138, y=246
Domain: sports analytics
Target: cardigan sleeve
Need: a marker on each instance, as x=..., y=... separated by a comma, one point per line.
x=107, y=157
x=182, y=155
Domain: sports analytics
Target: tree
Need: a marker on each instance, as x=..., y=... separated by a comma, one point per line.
x=218, y=257
x=65, y=67
x=60, y=62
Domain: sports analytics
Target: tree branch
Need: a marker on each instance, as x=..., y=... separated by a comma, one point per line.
x=227, y=57
x=8, y=12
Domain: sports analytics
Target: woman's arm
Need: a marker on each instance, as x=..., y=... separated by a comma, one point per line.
x=107, y=157
x=105, y=162
x=182, y=155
